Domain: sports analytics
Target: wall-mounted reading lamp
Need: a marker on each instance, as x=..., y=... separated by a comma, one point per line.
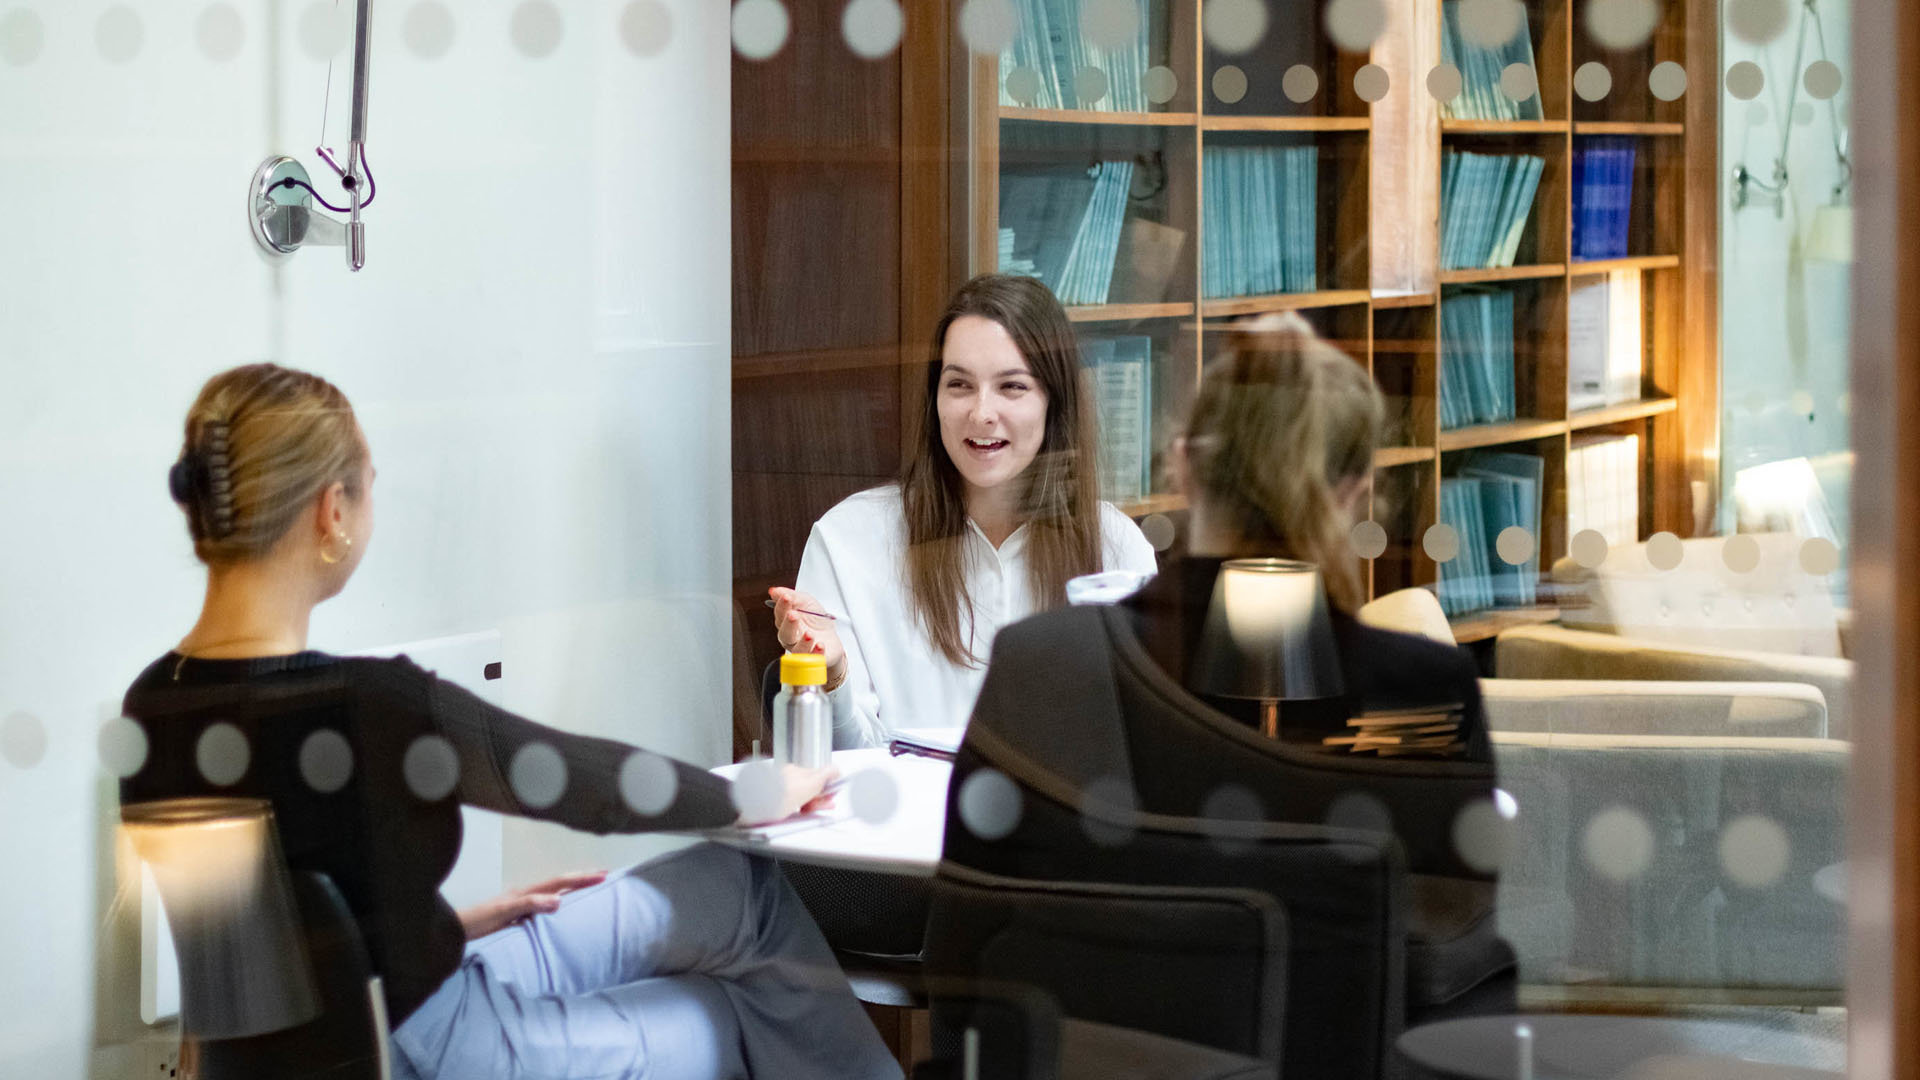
x=280, y=202
x=1748, y=188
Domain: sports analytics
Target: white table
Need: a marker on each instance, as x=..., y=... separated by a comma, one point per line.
x=906, y=843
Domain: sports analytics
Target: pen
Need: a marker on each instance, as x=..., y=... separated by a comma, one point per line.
x=815, y=614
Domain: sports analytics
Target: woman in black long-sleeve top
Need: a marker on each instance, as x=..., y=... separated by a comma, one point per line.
x=700, y=964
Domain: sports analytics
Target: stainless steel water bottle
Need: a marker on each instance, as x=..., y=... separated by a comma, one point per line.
x=802, y=715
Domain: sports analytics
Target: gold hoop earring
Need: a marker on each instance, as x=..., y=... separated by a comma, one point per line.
x=335, y=559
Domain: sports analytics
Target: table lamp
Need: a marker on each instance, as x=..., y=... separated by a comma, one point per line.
x=230, y=909
x=1268, y=638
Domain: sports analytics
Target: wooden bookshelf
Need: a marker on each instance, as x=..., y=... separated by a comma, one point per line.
x=1381, y=293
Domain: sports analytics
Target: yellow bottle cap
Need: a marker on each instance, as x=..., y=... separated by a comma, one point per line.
x=803, y=669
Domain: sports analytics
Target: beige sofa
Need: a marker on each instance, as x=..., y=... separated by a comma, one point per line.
x=1686, y=759
x=1700, y=621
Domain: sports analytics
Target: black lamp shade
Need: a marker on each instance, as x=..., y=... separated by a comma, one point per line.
x=1268, y=636
x=230, y=908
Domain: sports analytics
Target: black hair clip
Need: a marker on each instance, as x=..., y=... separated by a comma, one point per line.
x=202, y=481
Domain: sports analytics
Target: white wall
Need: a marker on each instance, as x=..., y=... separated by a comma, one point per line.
x=1783, y=317
x=537, y=347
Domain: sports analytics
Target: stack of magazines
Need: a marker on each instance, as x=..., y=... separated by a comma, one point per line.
x=1062, y=224
x=1480, y=69
x=1261, y=208
x=1428, y=730
x=1476, y=358
x=1490, y=493
x=1485, y=201
x=1052, y=45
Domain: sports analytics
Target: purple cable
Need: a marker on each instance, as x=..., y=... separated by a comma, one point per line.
x=373, y=188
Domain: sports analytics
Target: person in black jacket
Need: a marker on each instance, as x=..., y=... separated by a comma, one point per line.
x=1277, y=461
x=701, y=964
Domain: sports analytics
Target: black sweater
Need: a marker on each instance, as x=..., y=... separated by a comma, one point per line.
x=385, y=847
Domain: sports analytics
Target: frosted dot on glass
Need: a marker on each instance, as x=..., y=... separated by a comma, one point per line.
x=760, y=28
x=123, y=746
x=872, y=27
x=1754, y=402
x=1514, y=545
x=326, y=761
x=1618, y=844
x=1664, y=551
x=222, y=755
x=1589, y=548
x=1355, y=25
x=1741, y=554
x=1844, y=404
x=1758, y=113
x=22, y=36
x=1229, y=84
x=1819, y=556
x=1745, y=80
x=1754, y=851
x=1441, y=543
x=1089, y=85
x=1161, y=84
x=1023, y=85
x=648, y=783
x=1159, y=530
x=1621, y=24
x=1592, y=81
x=538, y=775
x=1491, y=24
x=431, y=768
x=1300, y=84
x=1802, y=114
x=759, y=791
x=119, y=34
x=1230, y=815
x=535, y=29
x=1445, y=82
x=427, y=30
x=873, y=796
x=989, y=804
x=23, y=740
x=1483, y=835
x=219, y=32
x=1114, y=797
x=1756, y=22
x=1372, y=83
x=988, y=26
x=1369, y=540
x=1519, y=82
x=1110, y=23
x=1802, y=402
x=1668, y=81
x=1234, y=26
x=1823, y=79
x=324, y=29
x=646, y=27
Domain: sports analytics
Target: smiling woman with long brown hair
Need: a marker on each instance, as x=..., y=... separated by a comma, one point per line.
x=996, y=509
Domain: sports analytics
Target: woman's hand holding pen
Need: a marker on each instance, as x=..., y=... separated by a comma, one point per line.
x=802, y=631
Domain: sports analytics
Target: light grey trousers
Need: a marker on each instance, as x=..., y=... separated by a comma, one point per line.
x=701, y=965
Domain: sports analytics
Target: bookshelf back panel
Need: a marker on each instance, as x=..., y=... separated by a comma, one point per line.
x=1295, y=36
x=1631, y=99
x=1405, y=365
x=1404, y=501
x=1539, y=342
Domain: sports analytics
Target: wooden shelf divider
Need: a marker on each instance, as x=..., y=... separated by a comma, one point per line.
x=1095, y=313
x=1503, y=127
x=1635, y=262
x=1286, y=123
x=1503, y=273
x=1226, y=307
x=1621, y=413
x=1614, y=127
x=1511, y=431
x=1388, y=457
x=1095, y=117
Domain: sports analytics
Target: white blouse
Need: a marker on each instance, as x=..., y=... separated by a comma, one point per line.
x=855, y=565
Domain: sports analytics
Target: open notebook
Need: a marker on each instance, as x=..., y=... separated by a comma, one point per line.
x=935, y=742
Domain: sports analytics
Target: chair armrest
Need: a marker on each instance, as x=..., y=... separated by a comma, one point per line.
x=1556, y=652
x=1636, y=707
x=1203, y=964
